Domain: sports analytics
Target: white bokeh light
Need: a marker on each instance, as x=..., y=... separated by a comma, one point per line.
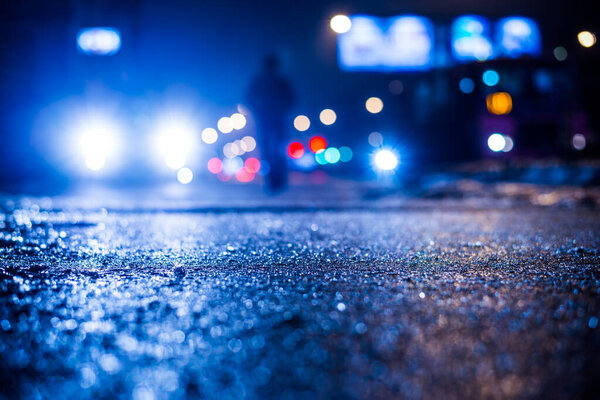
x=97, y=142
x=301, y=123
x=386, y=160
x=327, y=116
x=238, y=121
x=209, y=135
x=224, y=124
x=185, y=175
x=175, y=140
x=496, y=142
x=340, y=23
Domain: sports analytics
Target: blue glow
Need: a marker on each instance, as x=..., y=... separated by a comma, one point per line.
x=345, y=154
x=174, y=139
x=471, y=38
x=466, y=85
x=99, y=41
x=97, y=138
x=543, y=81
x=518, y=36
x=307, y=161
x=387, y=44
x=490, y=77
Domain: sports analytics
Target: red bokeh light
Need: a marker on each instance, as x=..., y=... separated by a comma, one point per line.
x=223, y=177
x=215, y=165
x=244, y=176
x=252, y=165
x=296, y=150
x=317, y=144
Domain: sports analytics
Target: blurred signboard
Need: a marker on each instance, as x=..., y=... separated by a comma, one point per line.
x=518, y=36
x=99, y=41
x=513, y=37
x=407, y=42
x=471, y=38
x=387, y=44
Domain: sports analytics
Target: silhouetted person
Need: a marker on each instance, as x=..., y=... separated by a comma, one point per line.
x=270, y=97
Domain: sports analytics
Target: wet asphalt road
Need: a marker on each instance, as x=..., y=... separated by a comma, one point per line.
x=408, y=302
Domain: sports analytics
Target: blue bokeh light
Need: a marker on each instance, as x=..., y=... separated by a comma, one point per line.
x=466, y=85
x=490, y=77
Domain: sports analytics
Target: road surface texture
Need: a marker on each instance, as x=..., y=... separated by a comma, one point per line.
x=421, y=299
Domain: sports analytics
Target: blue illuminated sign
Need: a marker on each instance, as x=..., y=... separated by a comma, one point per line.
x=99, y=41
x=387, y=44
x=406, y=42
x=518, y=36
x=471, y=38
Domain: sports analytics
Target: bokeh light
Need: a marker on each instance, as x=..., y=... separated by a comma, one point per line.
x=185, y=175
x=306, y=162
x=327, y=116
x=586, y=38
x=317, y=144
x=215, y=165
x=499, y=103
x=223, y=177
x=578, y=141
x=236, y=148
x=374, y=105
x=386, y=160
x=232, y=165
x=466, y=85
x=345, y=154
x=320, y=158
x=224, y=124
x=238, y=121
x=228, y=151
x=248, y=143
x=174, y=140
x=560, y=53
x=301, y=123
x=296, y=150
x=252, y=165
x=375, y=139
x=509, y=144
x=396, y=87
x=490, y=77
x=242, y=175
x=340, y=23
x=496, y=142
x=97, y=142
x=209, y=135
x=332, y=155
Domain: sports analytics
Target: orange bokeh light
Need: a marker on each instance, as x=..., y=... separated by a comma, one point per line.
x=499, y=103
x=317, y=144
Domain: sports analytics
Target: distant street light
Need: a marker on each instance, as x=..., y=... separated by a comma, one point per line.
x=340, y=24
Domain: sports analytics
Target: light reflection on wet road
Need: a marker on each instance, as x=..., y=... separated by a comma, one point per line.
x=346, y=303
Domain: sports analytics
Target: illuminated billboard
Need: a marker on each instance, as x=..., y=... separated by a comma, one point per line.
x=513, y=37
x=407, y=42
x=471, y=39
x=100, y=41
x=387, y=44
x=518, y=36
